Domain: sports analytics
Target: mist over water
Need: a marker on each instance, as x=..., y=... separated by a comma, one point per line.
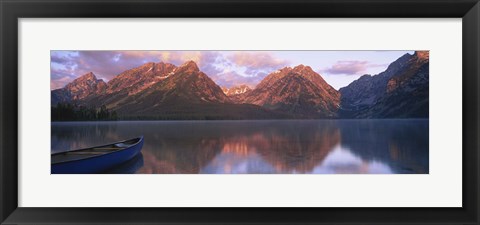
x=261, y=146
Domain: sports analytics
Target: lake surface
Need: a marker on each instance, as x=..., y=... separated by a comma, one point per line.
x=260, y=147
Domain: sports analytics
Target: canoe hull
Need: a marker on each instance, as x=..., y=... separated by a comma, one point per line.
x=97, y=164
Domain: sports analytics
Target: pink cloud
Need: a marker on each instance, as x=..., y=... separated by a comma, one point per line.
x=350, y=67
x=257, y=60
x=231, y=78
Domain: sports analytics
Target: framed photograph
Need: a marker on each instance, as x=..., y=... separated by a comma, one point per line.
x=239, y=112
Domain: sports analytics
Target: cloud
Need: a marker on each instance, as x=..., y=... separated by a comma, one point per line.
x=245, y=68
x=232, y=78
x=350, y=67
x=257, y=60
x=55, y=58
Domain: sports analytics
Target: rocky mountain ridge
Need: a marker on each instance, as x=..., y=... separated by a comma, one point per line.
x=299, y=91
x=83, y=87
x=401, y=91
x=236, y=90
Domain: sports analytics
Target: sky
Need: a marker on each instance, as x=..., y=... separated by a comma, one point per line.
x=226, y=68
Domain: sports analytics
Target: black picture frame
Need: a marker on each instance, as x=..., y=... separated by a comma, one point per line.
x=12, y=10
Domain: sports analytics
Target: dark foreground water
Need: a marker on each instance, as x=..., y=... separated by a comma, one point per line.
x=275, y=146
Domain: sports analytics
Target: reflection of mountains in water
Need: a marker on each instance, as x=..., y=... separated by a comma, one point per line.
x=402, y=144
x=279, y=148
x=264, y=146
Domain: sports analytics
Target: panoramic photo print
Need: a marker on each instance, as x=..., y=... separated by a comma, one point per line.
x=239, y=112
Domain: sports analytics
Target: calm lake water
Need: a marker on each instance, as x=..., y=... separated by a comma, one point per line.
x=265, y=147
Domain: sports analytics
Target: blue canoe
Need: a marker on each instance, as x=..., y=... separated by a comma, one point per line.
x=95, y=159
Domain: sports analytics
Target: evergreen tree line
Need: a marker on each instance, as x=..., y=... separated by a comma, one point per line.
x=70, y=112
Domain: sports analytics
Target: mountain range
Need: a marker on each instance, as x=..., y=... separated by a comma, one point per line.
x=165, y=91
